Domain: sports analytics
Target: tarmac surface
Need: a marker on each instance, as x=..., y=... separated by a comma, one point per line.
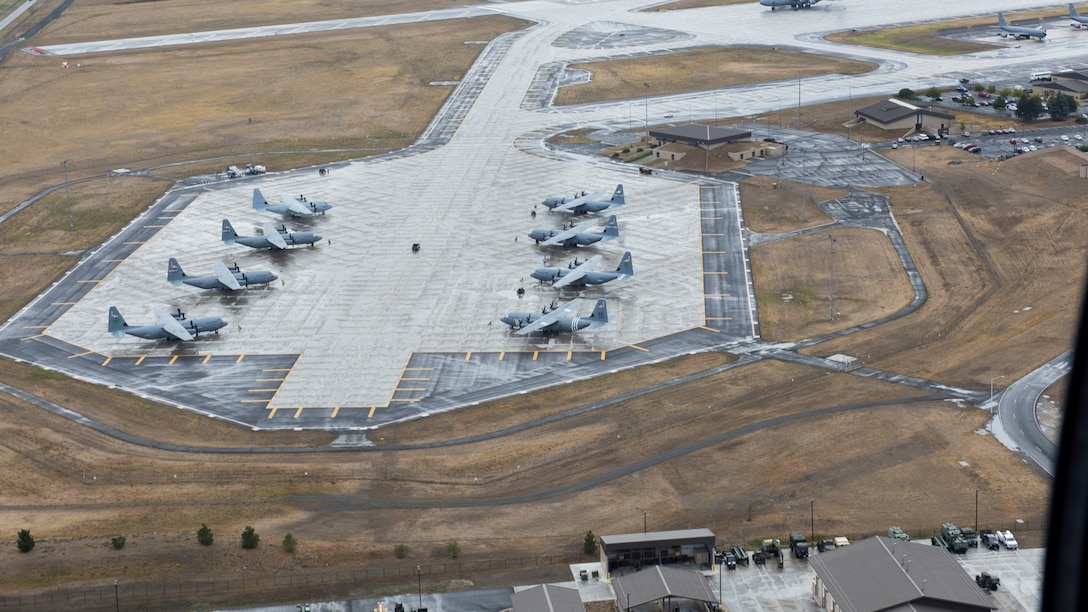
x=363, y=332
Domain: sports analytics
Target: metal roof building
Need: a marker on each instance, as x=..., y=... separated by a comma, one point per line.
x=699, y=135
x=897, y=114
x=656, y=548
x=548, y=598
x=880, y=573
x=661, y=583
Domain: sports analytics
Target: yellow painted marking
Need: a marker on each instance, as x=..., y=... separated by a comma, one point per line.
x=397, y=390
x=112, y=260
x=240, y=358
x=405, y=378
x=107, y=361
x=603, y=353
x=705, y=273
x=256, y=401
x=80, y=355
x=154, y=226
x=713, y=234
x=35, y=326
x=639, y=348
x=719, y=318
x=269, y=380
x=501, y=355
x=716, y=331
x=260, y=390
x=206, y=358
x=569, y=353
x=63, y=303
x=173, y=211
x=468, y=356
x=270, y=414
x=132, y=243
x=298, y=412
x=371, y=413
x=535, y=353
x=39, y=336
x=404, y=400
x=335, y=411
x=140, y=360
x=90, y=281
x=172, y=360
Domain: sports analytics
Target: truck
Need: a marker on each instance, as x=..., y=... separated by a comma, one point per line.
x=896, y=533
x=953, y=539
x=1007, y=539
x=771, y=547
x=841, y=541
x=989, y=540
x=825, y=545
x=249, y=170
x=799, y=545
x=987, y=581
x=971, y=537
x=740, y=554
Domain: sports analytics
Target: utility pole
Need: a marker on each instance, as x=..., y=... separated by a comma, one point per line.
x=804, y=216
x=116, y=598
x=249, y=135
x=419, y=586
x=812, y=519
x=68, y=189
x=798, y=102
x=643, y=521
x=831, y=276
x=646, y=110
x=976, y=512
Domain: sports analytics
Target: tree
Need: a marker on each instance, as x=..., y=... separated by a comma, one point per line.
x=250, y=537
x=979, y=88
x=289, y=543
x=1029, y=108
x=204, y=535
x=1006, y=92
x=991, y=88
x=1059, y=107
x=118, y=542
x=933, y=92
x=589, y=544
x=1000, y=102
x=453, y=550
x=906, y=93
x=25, y=541
x=400, y=551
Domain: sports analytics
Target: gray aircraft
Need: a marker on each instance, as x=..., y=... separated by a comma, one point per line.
x=579, y=275
x=290, y=207
x=796, y=4
x=1078, y=21
x=230, y=279
x=1018, y=32
x=168, y=326
x=586, y=203
x=576, y=235
x=273, y=238
x=555, y=320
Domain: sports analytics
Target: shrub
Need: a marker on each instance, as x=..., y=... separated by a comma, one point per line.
x=289, y=543
x=626, y=150
x=250, y=537
x=453, y=550
x=589, y=544
x=204, y=535
x=400, y=550
x=118, y=542
x=25, y=541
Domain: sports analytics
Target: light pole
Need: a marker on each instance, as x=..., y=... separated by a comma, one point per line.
x=798, y=102
x=992, y=392
x=976, y=512
x=419, y=586
x=116, y=598
x=803, y=215
x=69, y=191
x=831, y=276
x=646, y=110
x=812, y=519
x=643, y=521
x=628, y=602
x=249, y=135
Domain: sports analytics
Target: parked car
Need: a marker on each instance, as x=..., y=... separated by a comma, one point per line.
x=1006, y=538
x=730, y=561
x=1065, y=138
x=825, y=545
x=989, y=540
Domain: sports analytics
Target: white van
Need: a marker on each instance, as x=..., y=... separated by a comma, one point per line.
x=1006, y=538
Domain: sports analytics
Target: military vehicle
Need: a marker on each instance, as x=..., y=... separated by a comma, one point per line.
x=799, y=545
x=896, y=533
x=758, y=558
x=730, y=561
x=951, y=538
x=989, y=540
x=826, y=545
x=771, y=547
x=987, y=581
x=740, y=554
x=970, y=535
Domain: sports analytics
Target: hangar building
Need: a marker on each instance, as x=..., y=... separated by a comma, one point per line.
x=894, y=114
x=635, y=550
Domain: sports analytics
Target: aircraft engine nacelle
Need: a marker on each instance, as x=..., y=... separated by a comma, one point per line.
x=1077, y=25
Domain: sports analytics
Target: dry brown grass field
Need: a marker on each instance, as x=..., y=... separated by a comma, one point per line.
x=74, y=488
x=782, y=206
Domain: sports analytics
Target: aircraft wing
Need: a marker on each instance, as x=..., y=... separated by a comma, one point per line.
x=273, y=235
x=576, y=202
x=225, y=276
x=549, y=318
x=170, y=325
x=295, y=207
x=567, y=233
x=588, y=266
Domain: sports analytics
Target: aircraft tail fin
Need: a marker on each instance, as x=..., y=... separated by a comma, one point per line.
x=228, y=232
x=600, y=314
x=117, y=323
x=259, y=203
x=617, y=196
x=1073, y=11
x=626, y=267
x=612, y=228
x=174, y=273
x=1001, y=20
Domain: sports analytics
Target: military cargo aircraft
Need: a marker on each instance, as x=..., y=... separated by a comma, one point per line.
x=1078, y=21
x=1019, y=33
x=585, y=273
x=273, y=238
x=576, y=235
x=586, y=203
x=796, y=4
x=290, y=207
x=230, y=279
x=168, y=326
x=555, y=320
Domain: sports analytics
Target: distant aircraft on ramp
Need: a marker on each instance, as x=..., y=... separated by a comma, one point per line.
x=1018, y=32
x=229, y=279
x=274, y=237
x=555, y=320
x=168, y=326
x=290, y=207
x=795, y=4
x=585, y=273
x=1078, y=21
x=586, y=203
x=576, y=235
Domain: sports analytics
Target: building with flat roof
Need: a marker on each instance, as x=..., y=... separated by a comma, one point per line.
x=895, y=114
x=636, y=550
x=881, y=573
x=699, y=135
